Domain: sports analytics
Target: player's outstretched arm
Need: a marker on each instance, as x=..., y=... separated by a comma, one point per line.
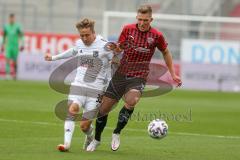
x=21, y=38
x=66, y=54
x=169, y=62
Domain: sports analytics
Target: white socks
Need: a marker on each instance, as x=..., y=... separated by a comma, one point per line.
x=69, y=127
x=68, y=132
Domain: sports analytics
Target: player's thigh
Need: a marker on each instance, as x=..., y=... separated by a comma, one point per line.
x=90, y=109
x=74, y=108
x=9, y=53
x=116, y=87
x=15, y=52
x=134, y=91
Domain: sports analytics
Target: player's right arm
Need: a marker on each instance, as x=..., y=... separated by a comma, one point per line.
x=21, y=38
x=66, y=54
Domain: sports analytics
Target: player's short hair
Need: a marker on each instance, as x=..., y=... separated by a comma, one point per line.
x=11, y=15
x=145, y=9
x=86, y=23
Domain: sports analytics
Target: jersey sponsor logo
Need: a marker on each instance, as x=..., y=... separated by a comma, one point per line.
x=142, y=49
x=150, y=40
x=86, y=61
x=129, y=44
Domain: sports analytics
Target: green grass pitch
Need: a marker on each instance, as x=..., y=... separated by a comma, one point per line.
x=202, y=126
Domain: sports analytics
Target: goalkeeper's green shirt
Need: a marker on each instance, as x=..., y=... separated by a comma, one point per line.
x=12, y=33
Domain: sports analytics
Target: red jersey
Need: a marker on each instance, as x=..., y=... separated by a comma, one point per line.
x=139, y=48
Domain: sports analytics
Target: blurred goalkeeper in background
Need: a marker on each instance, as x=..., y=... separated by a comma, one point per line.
x=12, y=42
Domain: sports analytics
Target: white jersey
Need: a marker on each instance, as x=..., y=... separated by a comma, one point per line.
x=94, y=68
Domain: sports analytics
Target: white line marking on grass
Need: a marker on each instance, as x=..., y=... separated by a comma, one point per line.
x=128, y=129
x=29, y=122
x=205, y=135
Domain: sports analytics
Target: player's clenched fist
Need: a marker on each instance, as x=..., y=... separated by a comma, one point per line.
x=48, y=57
x=110, y=46
x=177, y=80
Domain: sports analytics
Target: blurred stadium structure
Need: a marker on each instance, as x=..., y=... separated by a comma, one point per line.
x=60, y=16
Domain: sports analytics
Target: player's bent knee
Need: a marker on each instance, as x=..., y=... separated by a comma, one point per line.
x=73, y=109
x=129, y=106
x=132, y=102
x=84, y=127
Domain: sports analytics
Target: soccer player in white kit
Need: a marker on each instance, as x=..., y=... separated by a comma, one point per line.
x=93, y=73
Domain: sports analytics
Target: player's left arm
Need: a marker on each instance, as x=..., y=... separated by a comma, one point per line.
x=64, y=55
x=169, y=62
x=162, y=46
x=4, y=35
x=21, y=38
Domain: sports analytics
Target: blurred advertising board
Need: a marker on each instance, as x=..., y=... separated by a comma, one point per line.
x=38, y=44
x=210, y=64
x=48, y=42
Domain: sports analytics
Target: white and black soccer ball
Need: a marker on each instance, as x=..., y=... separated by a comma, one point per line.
x=157, y=128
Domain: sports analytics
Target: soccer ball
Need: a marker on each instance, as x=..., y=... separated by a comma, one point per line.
x=157, y=128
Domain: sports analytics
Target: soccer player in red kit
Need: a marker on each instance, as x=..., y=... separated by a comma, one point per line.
x=138, y=43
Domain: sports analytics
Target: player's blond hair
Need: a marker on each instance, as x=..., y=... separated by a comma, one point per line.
x=86, y=23
x=145, y=9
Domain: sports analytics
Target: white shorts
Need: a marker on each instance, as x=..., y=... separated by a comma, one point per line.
x=87, y=99
x=86, y=103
